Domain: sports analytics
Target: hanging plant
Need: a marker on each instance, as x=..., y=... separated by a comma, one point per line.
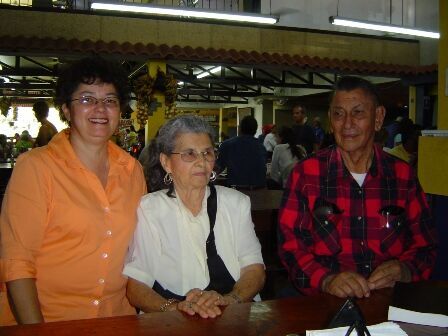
x=145, y=88
x=5, y=105
x=170, y=91
x=143, y=91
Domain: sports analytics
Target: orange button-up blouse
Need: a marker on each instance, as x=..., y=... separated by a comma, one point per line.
x=60, y=226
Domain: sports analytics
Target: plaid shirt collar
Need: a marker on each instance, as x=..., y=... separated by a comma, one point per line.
x=381, y=165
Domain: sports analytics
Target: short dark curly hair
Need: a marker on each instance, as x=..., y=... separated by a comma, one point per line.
x=87, y=71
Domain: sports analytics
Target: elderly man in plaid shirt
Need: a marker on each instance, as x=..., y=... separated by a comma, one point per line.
x=353, y=218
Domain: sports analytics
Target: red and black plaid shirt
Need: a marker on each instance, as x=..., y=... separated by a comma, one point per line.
x=329, y=224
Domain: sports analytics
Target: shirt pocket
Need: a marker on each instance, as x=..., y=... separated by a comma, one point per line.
x=327, y=217
x=392, y=223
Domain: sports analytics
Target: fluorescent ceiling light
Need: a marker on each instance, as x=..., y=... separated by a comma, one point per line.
x=340, y=21
x=208, y=72
x=180, y=11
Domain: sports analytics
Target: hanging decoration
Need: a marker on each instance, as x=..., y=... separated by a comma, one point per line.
x=15, y=113
x=170, y=96
x=145, y=88
x=5, y=105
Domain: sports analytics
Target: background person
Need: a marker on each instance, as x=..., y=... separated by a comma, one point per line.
x=244, y=157
x=5, y=147
x=265, y=130
x=47, y=129
x=70, y=208
x=319, y=132
x=195, y=247
x=408, y=149
x=304, y=133
x=353, y=218
x=392, y=130
x=270, y=141
x=24, y=143
x=285, y=156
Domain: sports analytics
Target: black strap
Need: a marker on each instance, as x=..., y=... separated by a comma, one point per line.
x=167, y=294
x=211, y=211
x=220, y=278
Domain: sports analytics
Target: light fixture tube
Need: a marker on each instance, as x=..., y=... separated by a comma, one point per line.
x=179, y=11
x=208, y=72
x=340, y=21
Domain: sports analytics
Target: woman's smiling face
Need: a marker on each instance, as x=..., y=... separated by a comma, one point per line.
x=94, y=112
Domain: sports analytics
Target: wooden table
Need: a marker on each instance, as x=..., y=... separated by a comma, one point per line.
x=278, y=317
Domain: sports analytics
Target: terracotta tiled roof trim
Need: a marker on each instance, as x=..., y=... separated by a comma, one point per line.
x=163, y=51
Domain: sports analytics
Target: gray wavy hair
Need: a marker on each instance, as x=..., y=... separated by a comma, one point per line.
x=165, y=142
x=168, y=133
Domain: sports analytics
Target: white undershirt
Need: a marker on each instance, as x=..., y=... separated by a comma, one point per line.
x=359, y=178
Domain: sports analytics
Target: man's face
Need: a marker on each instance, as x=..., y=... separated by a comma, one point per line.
x=298, y=115
x=354, y=118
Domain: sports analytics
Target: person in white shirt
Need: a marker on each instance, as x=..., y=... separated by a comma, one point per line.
x=194, y=248
x=285, y=156
x=271, y=140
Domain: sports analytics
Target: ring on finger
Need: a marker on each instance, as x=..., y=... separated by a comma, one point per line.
x=202, y=292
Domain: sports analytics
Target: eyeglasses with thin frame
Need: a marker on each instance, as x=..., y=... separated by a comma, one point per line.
x=111, y=102
x=191, y=155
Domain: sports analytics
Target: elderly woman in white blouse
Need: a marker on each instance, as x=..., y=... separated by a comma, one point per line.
x=194, y=249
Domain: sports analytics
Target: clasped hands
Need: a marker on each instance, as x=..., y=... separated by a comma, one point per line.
x=205, y=303
x=351, y=284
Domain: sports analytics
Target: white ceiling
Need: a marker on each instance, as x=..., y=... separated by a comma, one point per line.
x=314, y=14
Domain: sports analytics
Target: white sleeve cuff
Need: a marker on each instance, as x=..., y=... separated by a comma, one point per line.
x=138, y=275
x=250, y=260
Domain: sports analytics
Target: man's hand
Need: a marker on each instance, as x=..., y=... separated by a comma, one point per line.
x=389, y=272
x=346, y=284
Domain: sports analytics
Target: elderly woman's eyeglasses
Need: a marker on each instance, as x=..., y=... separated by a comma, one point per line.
x=191, y=155
x=108, y=102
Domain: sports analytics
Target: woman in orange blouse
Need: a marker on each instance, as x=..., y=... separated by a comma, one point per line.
x=70, y=208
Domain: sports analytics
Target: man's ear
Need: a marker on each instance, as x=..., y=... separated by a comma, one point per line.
x=380, y=113
x=66, y=111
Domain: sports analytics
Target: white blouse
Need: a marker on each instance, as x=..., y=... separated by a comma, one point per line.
x=169, y=242
x=282, y=160
x=270, y=141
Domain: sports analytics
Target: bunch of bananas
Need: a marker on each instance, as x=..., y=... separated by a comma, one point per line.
x=170, y=91
x=5, y=104
x=143, y=90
